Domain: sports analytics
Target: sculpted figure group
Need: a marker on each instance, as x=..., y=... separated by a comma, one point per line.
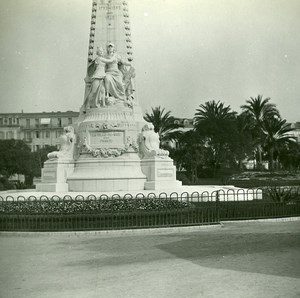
x=110, y=80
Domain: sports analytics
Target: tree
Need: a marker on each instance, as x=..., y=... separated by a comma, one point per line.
x=289, y=156
x=216, y=123
x=276, y=135
x=164, y=124
x=190, y=155
x=242, y=144
x=39, y=157
x=15, y=157
x=258, y=111
x=213, y=111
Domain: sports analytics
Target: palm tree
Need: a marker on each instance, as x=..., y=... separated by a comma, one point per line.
x=276, y=134
x=258, y=111
x=216, y=123
x=164, y=124
x=212, y=111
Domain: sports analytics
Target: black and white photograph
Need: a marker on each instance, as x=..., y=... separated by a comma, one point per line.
x=149, y=148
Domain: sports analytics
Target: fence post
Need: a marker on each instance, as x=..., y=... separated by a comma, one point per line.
x=218, y=207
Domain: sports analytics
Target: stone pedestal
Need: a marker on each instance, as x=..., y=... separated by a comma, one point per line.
x=160, y=173
x=54, y=175
x=107, y=157
x=107, y=175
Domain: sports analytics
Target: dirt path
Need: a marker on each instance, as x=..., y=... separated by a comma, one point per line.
x=238, y=260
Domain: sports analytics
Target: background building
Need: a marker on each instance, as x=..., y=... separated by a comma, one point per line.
x=41, y=129
x=36, y=129
x=296, y=132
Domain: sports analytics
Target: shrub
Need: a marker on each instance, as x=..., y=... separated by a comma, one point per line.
x=90, y=206
x=282, y=194
x=5, y=184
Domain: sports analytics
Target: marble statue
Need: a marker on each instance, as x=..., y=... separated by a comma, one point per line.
x=67, y=142
x=117, y=79
x=96, y=70
x=149, y=143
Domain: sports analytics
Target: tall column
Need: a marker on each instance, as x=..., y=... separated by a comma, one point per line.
x=110, y=23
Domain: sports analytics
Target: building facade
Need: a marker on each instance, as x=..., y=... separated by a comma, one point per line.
x=36, y=129
x=296, y=131
x=40, y=129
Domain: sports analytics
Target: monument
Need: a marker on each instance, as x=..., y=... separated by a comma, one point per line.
x=111, y=147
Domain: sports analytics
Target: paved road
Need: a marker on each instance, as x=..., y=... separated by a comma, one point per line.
x=238, y=260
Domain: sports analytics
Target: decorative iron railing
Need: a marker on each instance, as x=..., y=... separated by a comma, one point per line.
x=105, y=212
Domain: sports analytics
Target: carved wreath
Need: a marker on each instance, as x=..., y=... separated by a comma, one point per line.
x=110, y=152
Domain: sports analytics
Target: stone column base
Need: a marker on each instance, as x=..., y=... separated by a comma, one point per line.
x=55, y=174
x=160, y=173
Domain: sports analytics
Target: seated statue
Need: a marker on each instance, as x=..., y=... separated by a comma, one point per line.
x=149, y=143
x=67, y=142
x=117, y=79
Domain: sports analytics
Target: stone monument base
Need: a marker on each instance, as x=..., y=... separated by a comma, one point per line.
x=107, y=175
x=160, y=172
x=52, y=187
x=54, y=175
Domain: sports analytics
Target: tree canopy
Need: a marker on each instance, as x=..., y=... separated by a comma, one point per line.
x=223, y=138
x=15, y=158
x=164, y=124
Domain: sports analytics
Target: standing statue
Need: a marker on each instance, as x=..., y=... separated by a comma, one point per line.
x=96, y=70
x=118, y=79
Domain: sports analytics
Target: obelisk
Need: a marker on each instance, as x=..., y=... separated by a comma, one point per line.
x=110, y=119
x=111, y=148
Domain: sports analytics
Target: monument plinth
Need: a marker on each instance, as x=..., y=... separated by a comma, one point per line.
x=112, y=147
x=108, y=151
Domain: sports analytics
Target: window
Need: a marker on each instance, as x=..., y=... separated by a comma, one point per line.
x=9, y=135
x=37, y=147
x=47, y=134
x=59, y=122
x=37, y=122
x=18, y=121
x=45, y=121
x=27, y=135
x=2, y=136
x=37, y=134
x=27, y=122
x=1, y=121
x=69, y=120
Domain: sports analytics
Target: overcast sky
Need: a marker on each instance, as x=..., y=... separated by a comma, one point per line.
x=186, y=52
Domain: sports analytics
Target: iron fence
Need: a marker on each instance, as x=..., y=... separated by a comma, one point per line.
x=104, y=212
x=275, y=202
x=144, y=211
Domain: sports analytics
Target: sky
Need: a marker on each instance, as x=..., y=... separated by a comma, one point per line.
x=186, y=52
